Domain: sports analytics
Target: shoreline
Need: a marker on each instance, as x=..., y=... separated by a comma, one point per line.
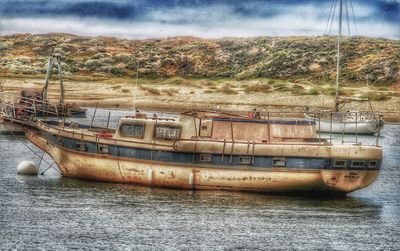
x=172, y=97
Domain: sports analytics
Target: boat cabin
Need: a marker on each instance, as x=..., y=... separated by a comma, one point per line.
x=215, y=126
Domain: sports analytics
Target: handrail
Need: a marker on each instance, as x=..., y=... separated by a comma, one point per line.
x=30, y=108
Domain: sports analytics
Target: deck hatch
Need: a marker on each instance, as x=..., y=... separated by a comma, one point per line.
x=132, y=130
x=278, y=162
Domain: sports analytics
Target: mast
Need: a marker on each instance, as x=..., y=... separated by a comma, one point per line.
x=338, y=57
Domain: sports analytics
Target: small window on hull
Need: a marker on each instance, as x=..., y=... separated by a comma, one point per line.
x=372, y=164
x=278, y=162
x=60, y=141
x=244, y=160
x=357, y=164
x=340, y=163
x=103, y=149
x=206, y=158
x=80, y=146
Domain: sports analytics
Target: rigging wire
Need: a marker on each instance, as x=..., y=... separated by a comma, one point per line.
x=329, y=18
x=333, y=17
x=347, y=16
x=354, y=17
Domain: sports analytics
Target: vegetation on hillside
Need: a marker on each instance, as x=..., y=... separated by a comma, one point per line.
x=291, y=58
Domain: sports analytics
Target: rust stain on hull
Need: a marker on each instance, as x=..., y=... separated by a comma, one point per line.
x=152, y=173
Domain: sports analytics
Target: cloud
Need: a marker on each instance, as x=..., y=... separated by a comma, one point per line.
x=212, y=19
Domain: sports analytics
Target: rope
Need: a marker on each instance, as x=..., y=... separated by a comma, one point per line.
x=32, y=150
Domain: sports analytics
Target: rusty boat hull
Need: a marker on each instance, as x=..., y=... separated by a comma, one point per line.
x=106, y=168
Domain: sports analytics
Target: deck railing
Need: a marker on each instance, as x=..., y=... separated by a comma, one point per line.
x=28, y=109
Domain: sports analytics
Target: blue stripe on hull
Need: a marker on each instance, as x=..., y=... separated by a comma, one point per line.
x=194, y=158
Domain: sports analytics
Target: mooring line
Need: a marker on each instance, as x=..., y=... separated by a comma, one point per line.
x=51, y=165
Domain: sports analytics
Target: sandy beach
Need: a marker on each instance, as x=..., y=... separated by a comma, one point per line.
x=159, y=95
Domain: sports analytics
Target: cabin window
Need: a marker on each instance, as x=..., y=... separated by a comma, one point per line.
x=244, y=160
x=103, y=149
x=357, y=163
x=278, y=162
x=167, y=132
x=339, y=163
x=132, y=130
x=80, y=146
x=206, y=158
x=373, y=164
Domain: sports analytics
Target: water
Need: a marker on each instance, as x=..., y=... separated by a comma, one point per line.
x=52, y=212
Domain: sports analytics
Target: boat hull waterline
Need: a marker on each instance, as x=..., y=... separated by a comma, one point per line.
x=105, y=168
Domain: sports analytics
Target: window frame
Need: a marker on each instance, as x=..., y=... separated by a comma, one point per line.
x=335, y=165
x=278, y=159
x=103, y=146
x=357, y=166
x=247, y=162
x=374, y=166
x=170, y=126
x=133, y=124
x=206, y=158
x=80, y=146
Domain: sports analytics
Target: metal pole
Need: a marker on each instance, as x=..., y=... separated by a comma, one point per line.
x=48, y=76
x=356, y=127
x=378, y=135
x=60, y=74
x=319, y=126
x=269, y=131
x=94, y=115
x=330, y=129
x=338, y=57
x=108, y=119
x=344, y=127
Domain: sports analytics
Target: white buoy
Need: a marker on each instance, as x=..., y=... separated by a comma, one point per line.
x=27, y=167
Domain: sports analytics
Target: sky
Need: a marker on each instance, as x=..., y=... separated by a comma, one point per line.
x=139, y=19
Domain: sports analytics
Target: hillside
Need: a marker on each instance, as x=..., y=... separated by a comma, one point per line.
x=291, y=58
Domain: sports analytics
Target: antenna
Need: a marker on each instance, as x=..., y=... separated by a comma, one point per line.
x=136, y=89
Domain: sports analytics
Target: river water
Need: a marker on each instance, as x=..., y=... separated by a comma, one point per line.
x=50, y=212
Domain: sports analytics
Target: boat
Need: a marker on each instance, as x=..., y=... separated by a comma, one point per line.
x=350, y=122
x=34, y=103
x=9, y=129
x=213, y=151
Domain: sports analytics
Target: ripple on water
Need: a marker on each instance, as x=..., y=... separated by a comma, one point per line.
x=51, y=212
